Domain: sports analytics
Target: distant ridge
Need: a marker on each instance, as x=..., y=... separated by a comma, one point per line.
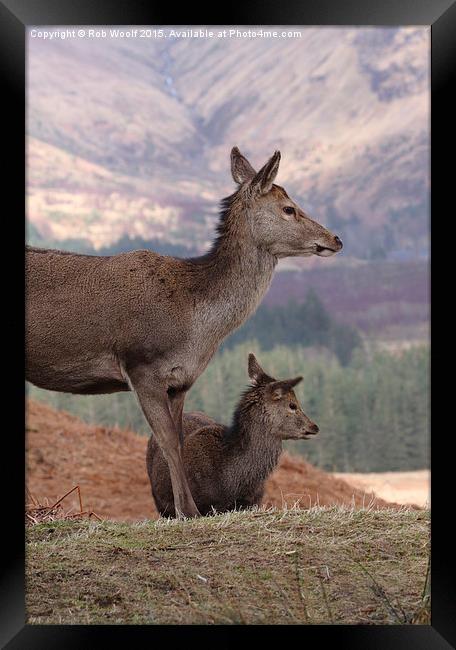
x=132, y=138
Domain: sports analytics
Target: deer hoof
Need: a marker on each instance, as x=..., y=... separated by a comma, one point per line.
x=188, y=512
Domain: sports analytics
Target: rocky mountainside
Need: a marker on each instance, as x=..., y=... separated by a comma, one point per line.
x=132, y=136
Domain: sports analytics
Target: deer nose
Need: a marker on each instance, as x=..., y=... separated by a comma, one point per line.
x=313, y=428
x=338, y=241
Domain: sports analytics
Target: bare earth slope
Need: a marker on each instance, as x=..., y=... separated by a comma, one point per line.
x=109, y=466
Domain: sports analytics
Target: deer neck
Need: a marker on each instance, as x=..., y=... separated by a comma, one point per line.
x=236, y=274
x=252, y=453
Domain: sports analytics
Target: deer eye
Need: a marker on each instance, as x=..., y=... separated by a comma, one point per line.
x=292, y=406
x=289, y=210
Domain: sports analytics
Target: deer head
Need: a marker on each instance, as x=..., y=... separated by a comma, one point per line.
x=277, y=223
x=286, y=418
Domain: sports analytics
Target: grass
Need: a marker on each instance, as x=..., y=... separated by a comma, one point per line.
x=323, y=565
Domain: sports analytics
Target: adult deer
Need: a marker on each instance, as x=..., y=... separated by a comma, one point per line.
x=151, y=323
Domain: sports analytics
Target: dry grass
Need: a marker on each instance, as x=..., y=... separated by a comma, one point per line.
x=323, y=565
x=39, y=513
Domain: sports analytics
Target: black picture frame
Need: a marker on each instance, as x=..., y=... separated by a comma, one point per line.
x=15, y=17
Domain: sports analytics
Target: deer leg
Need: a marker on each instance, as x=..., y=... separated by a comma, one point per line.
x=154, y=403
x=176, y=406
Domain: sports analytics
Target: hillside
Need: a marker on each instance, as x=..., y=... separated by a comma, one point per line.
x=377, y=297
x=320, y=566
x=132, y=136
x=109, y=466
x=318, y=551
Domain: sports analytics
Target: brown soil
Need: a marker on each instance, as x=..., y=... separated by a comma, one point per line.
x=109, y=466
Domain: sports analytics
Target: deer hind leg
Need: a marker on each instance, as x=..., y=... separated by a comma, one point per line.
x=154, y=403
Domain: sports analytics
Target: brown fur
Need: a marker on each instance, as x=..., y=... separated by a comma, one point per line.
x=227, y=466
x=151, y=323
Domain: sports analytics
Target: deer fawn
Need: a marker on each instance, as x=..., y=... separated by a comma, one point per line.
x=151, y=323
x=228, y=466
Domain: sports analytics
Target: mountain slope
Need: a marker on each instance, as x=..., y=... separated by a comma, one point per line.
x=133, y=136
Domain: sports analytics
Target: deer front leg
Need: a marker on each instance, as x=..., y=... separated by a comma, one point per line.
x=176, y=407
x=154, y=403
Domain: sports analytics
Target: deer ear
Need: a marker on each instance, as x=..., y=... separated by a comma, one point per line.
x=291, y=383
x=256, y=372
x=241, y=170
x=279, y=389
x=265, y=178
